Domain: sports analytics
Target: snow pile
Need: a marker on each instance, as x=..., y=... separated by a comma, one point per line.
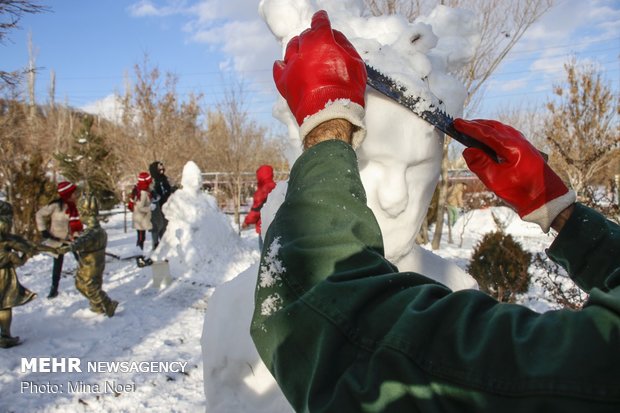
x=200, y=240
x=235, y=378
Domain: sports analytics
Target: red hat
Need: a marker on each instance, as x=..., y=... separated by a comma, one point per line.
x=264, y=173
x=65, y=189
x=144, y=177
x=144, y=180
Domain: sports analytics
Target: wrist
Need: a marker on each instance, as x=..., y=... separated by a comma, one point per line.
x=342, y=110
x=546, y=213
x=560, y=220
x=339, y=129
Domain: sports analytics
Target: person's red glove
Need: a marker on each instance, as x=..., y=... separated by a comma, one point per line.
x=523, y=179
x=322, y=77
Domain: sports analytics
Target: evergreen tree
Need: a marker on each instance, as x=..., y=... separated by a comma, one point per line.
x=500, y=265
x=91, y=164
x=31, y=188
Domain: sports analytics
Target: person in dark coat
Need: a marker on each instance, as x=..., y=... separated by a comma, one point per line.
x=265, y=184
x=160, y=193
x=343, y=330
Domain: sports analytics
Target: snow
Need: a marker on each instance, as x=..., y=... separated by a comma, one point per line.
x=215, y=268
x=164, y=325
x=188, y=243
x=110, y=108
x=161, y=325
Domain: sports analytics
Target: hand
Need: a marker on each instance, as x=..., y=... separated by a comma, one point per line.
x=45, y=248
x=17, y=259
x=322, y=77
x=523, y=179
x=63, y=249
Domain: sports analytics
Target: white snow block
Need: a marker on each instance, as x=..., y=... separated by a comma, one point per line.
x=161, y=273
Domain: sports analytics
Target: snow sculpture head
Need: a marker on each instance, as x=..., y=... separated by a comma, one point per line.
x=399, y=164
x=191, y=179
x=400, y=158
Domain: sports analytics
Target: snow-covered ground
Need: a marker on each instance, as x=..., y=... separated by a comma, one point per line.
x=152, y=325
x=160, y=325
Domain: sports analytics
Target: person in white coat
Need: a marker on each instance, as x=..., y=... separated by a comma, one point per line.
x=59, y=223
x=142, y=211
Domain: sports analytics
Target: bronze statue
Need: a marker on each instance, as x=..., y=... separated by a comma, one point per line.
x=90, y=247
x=14, y=251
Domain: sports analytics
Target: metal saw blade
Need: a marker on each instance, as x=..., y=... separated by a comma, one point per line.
x=425, y=110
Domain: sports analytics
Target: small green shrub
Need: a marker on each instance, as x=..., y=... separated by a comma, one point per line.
x=500, y=265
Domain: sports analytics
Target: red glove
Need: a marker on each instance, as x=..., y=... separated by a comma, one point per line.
x=523, y=179
x=322, y=77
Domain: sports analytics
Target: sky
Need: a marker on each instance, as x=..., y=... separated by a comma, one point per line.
x=216, y=46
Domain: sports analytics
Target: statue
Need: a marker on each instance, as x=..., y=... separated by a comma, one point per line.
x=14, y=252
x=90, y=247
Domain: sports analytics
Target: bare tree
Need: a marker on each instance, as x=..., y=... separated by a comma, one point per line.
x=238, y=145
x=502, y=24
x=158, y=125
x=32, y=75
x=530, y=121
x=11, y=12
x=408, y=8
x=583, y=128
x=23, y=160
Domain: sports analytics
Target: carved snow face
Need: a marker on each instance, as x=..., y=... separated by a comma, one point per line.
x=400, y=162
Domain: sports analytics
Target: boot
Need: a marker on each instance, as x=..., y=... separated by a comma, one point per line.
x=53, y=293
x=97, y=309
x=7, y=342
x=141, y=262
x=111, y=308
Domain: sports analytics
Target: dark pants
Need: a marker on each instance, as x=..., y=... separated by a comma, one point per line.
x=158, y=230
x=57, y=270
x=160, y=223
x=141, y=238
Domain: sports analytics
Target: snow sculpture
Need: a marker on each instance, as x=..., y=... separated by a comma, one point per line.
x=399, y=160
x=198, y=234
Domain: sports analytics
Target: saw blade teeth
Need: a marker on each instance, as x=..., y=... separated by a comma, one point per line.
x=445, y=114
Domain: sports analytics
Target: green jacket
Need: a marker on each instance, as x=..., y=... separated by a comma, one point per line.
x=343, y=331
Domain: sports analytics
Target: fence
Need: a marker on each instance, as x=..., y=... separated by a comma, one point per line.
x=215, y=182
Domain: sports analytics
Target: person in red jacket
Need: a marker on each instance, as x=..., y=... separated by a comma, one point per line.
x=264, y=178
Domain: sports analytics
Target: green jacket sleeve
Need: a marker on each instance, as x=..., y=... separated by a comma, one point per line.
x=588, y=247
x=343, y=331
